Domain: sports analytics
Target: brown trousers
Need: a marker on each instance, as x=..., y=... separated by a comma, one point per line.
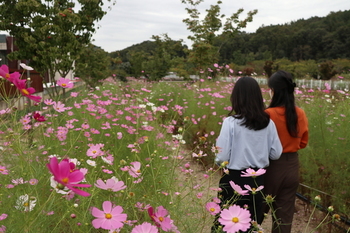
x=281, y=182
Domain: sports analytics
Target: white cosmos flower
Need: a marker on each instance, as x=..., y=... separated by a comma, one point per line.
x=58, y=187
x=91, y=162
x=25, y=203
x=24, y=66
x=106, y=160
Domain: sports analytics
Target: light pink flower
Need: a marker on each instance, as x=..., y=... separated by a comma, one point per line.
x=65, y=83
x=3, y=170
x=252, y=173
x=253, y=190
x=33, y=181
x=238, y=189
x=110, y=218
x=59, y=107
x=3, y=216
x=95, y=150
x=135, y=170
x=235, y=219
x=145, y=228
x=111, y=184
x=213, y=208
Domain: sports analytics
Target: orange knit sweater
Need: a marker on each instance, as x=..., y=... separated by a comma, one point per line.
x=289, y=143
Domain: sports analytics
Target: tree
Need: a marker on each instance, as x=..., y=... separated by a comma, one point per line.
x=204, y=31
x=50, y=34
x=93, y=66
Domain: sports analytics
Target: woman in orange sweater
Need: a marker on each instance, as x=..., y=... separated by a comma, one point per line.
x=282, y=176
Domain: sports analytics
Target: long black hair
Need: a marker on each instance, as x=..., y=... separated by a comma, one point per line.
x=283, y=86
x=247, y=104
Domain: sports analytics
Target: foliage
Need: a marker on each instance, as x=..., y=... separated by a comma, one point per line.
x=204, y=31
x=92, y=65
x=326, y=70
x=147, y=122
x=315, y=38
x=50, y=34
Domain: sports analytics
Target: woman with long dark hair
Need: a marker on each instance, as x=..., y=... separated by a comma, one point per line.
x=248, y=139
x=282, y=176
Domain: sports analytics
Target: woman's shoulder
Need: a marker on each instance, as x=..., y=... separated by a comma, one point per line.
x=299, y=111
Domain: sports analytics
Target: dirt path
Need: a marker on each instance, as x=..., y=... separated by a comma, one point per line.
x=301, y=216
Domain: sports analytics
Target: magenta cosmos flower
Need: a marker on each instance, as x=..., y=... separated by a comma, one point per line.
x=110, y=218
x=160, y=218
x=38, y=117
x=65, y=83
x=235, y=219
x=5, y=73
x=21, y=86
x=66, y=174
x=145, y=228
x=252, y=173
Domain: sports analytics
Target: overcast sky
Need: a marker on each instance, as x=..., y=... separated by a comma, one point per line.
x=131, y=22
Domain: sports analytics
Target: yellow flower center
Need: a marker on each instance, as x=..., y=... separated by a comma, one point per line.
x=94, y=152
x=65, y=180
x=7, y=76
x=63, y=84
x=25, y=204
x=108, y=216
x=25, y=92
x=138, y=171
x=212, y=209
x=161, y=219
x=235, y=220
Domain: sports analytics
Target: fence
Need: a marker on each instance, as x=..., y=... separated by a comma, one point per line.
x=307, y=83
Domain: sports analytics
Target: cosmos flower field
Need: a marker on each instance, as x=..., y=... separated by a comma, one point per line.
x=116, y=158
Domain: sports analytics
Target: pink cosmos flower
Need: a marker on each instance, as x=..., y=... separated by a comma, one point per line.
x=252, y=173
x=160, y=218
x=49, y=102
x=145, y=228
x=110, y=218
x=65, y=174
x=22, y=87
x=95, y=150
x=5, y=73
x=238, y=189
x=59, y=107
x=3, y=170
x=253, y=190
x=65, y=83
x=3, y=216
x=235, y=219
x=111, y=184
x=135, y=171
x=213, y=208
x=33, y=181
